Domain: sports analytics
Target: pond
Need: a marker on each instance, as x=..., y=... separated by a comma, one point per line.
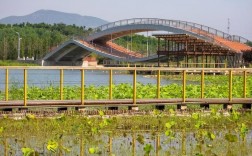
x=133, y=143
x=156, y=133
x=43, y=78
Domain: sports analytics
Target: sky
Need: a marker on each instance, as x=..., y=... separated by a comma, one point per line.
x=213, y=13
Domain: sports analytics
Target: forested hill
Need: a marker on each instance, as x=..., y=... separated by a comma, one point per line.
x=51, y=17
x=37, y=39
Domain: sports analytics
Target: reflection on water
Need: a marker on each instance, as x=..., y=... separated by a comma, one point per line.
x=133, y=143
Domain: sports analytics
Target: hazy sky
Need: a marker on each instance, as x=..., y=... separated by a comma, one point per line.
x=213, y=13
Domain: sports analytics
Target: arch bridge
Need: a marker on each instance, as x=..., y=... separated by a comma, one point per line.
x=185, y=41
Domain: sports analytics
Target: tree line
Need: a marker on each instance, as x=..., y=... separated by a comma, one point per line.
x=37, y=39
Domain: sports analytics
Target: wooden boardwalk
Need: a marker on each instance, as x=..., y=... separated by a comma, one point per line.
x=122, y=102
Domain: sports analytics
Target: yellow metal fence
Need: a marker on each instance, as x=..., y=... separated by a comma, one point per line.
x=184, y=71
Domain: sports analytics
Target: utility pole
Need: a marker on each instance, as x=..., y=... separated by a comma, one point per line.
x=111, y=43
x=131, y=41
x=4, y=49
x=19, y=39
x=147, y=45
x=228, y=27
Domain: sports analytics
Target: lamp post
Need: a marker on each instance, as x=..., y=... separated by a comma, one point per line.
x=147, y=50
x=19, y=39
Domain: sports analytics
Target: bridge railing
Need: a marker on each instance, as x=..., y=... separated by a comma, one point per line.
x=226, y=74
x=203, y=65
x=173, y=23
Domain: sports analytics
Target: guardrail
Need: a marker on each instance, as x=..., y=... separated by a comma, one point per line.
x=134, y=101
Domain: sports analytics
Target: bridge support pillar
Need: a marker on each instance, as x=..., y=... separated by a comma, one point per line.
x=80, y=108
x=227, y=106
x=246, y=106
x=7, y=109
x=64, y=109
x=23, y=109
x=204, y=106
x=112, y=108
x=133, y=108
x=182, y=106
x=160, y=107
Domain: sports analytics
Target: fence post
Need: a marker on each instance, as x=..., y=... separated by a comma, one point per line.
x=229, y=106
x=134, y=87
x=184, y=86
x=183, y=105
x=244, y=83
x=6, y=84
x=159, y=107
x=245, y=106
x=25, y=87
x=82, y=86
x=134, y=107
x=206, y=106
x=230, y=85
x=61, y=83
x=111, y=89
x=202, y=84
x=110, y=84
x=158, y=84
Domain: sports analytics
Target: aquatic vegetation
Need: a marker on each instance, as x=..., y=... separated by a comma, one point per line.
x=29, y=152
x=243, y=130
x=147, y=149
x=215, y=87
x=168, y=132
x=125, y=91
x=231, y=137
x=194, y=132
x=52, y=146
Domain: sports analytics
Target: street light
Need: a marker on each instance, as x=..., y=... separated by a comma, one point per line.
x=147, y=50
x=18, y=45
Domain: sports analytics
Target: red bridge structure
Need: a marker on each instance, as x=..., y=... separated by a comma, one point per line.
x=187, y=44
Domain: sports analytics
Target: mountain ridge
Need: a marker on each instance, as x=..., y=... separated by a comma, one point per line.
x=52, y=16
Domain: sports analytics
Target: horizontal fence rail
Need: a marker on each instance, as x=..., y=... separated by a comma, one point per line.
x=227, y=75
